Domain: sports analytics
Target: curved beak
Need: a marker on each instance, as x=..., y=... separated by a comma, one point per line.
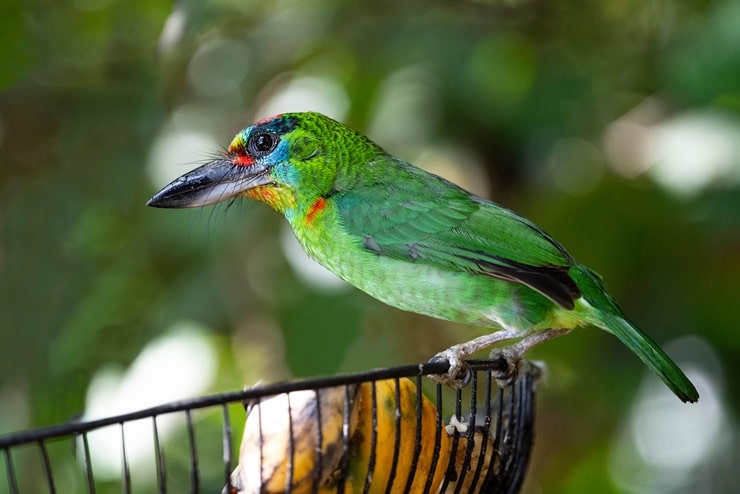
x=216, y=181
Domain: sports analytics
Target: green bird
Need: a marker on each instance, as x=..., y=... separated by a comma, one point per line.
x=415, y=240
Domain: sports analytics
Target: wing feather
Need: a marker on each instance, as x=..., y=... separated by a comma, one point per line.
x=415, y=216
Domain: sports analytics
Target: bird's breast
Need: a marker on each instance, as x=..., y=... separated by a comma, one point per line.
x=417, y=287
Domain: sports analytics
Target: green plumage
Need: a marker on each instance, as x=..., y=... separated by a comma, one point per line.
x=412, y=239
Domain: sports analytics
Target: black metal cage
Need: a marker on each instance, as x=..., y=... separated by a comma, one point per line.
x=368, y=432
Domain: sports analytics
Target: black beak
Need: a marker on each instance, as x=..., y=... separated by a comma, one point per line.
x=213, y=182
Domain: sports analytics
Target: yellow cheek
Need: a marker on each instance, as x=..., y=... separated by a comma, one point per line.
x=236, y=143
x=278, y=198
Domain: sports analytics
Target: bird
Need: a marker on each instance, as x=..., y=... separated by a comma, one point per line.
x=416, y=241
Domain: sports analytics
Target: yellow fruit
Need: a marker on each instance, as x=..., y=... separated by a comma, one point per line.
x=384, y=456
x=267, y=465
x=480, y=460
x=271, y=463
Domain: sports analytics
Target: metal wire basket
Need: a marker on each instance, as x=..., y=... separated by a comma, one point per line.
x=386, y=437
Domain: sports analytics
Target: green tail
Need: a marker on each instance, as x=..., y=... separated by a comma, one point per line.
x=650, y=353
x=605, y=314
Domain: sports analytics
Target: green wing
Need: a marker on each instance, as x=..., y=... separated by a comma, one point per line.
x=403, y=212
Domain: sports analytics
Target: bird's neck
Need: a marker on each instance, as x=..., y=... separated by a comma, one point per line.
x=281, y=199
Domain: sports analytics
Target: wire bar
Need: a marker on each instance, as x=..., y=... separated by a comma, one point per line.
x=89, y=478
x=397, y=437
x=319, y=448
x=159, y=458
x=226, y=444
x=381, y=439
x=12, y=482
x=125, y=468
x=417, y=439
x=194, y=477
x=255, y=393
x=47, y=467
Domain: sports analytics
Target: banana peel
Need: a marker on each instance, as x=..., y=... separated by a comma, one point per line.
x=387, y=452
x=473, y=458
x=380, y=412
x=293, y=442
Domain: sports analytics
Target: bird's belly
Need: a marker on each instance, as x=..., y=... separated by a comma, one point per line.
x=458, y=296
x=452, y=295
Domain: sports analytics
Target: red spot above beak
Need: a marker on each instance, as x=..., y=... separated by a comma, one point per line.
x=242, y=160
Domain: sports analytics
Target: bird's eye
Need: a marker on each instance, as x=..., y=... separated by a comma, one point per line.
x=261, y=144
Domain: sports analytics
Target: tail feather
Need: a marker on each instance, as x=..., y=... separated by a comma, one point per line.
x=652, y=355
x=601, y=310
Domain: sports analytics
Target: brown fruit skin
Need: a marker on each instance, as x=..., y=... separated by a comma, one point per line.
x=266, y=464
x=477, y=457
x=265, y=459
x=383, y=456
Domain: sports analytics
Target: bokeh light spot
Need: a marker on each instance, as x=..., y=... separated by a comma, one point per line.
x=219, y=67
x=180, y=364
x=307, y=94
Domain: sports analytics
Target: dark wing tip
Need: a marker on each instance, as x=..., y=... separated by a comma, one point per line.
x=552, y=281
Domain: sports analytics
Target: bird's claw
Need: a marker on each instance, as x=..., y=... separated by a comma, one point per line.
x=459, y=373
x=508, y=361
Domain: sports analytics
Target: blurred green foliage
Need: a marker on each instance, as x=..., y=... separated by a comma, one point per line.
x=562, y=106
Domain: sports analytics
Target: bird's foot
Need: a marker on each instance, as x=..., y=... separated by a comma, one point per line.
x=508, y=360
x=458, y=375
x=510, y=357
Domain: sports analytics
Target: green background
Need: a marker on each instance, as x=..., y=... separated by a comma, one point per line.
x=614, y=125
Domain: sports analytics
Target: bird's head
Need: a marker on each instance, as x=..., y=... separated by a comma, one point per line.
x=286, y=161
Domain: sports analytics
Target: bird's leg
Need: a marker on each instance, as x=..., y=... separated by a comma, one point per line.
x=458, y=375
x=512, y=354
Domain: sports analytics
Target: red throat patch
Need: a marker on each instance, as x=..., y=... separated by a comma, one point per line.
x=315, y=208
